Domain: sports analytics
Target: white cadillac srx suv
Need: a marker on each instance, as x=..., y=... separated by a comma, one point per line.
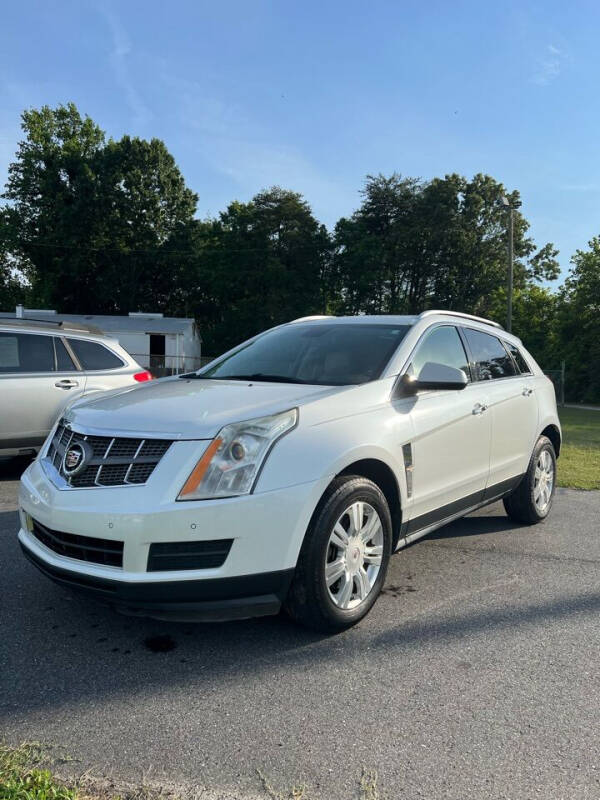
x=287, y=471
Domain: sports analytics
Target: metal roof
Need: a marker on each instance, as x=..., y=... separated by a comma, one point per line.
x=111, y=323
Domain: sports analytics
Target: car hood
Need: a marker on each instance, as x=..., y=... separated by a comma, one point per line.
x=188, y=408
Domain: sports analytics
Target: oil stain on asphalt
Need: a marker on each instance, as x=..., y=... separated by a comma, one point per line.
x=160, y=644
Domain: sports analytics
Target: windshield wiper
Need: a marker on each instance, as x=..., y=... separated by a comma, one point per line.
x=260, y=376
x=255, y=376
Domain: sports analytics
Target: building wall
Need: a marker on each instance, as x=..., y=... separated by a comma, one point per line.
x=182, y=351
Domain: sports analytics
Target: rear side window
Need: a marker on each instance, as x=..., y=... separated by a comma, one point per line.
x=522, y=365
x=491, y=359
x=441, y=346
x=94, y=356
x=26, y=352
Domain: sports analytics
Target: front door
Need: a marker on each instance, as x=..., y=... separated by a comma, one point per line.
x=450, y=449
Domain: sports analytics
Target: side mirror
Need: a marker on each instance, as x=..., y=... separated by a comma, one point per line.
x=434, y=376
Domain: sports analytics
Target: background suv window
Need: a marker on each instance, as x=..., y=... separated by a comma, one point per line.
x=26, y=352
x=441, y=346
x=490, y=357
x=64, y=362
x=93, y=356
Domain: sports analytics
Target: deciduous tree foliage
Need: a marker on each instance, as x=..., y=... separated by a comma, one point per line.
x=578, y=325
x=12, y=287
x=258, y=265
x=93, y=225
x=86, y=216
x=414, y=245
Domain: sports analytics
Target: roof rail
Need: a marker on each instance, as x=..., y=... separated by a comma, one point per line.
x=431, y=312
x=63, y=324
x=313, y=316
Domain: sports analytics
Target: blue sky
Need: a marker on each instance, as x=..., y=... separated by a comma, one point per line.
x=314, y=95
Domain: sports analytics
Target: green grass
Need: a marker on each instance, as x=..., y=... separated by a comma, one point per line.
x=579, y=462
x=25, y=775
x=22, y=778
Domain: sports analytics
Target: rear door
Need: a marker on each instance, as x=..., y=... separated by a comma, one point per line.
x=512, y=406
x=37, y=380
x=103, y=368
x=450, y=450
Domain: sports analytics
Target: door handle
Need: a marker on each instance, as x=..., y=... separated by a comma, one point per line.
x=66, y=383
x=527, y=392
x=479, y=408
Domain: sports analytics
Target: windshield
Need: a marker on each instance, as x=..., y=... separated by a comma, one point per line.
x=327, y=354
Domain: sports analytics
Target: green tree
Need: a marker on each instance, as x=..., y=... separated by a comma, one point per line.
x=578, y=325
x=260, y=264
x=144, y=203
x=414, y=244
x=535, y=321
x=13, y=287
x=51, y=214
x=86, y=217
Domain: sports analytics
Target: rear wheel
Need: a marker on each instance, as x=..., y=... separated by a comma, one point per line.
x=344, y=558
x=531, y=501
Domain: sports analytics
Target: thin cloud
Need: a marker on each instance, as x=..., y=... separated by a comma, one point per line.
x=581, y=187
x=229, y=139
x=118, y=59
x=548, y=67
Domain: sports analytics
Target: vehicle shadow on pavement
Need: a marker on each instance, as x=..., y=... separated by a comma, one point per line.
x=476, y=526
x=57, y=648
x=11, y=469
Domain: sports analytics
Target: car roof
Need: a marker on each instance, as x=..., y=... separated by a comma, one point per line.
x=398, y=319
x=361, y=319
x=50, y=326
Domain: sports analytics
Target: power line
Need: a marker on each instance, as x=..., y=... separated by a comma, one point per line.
x=224, y=250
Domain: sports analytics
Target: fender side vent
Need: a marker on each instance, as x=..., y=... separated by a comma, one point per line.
x=407, y=454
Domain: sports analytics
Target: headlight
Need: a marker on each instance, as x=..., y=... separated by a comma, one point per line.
x=230, y=464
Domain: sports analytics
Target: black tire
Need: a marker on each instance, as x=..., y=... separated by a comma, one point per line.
x=309, y=601
x=521, y=504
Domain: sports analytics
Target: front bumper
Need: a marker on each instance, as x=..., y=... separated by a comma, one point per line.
x=213, y=600
x=267, y=530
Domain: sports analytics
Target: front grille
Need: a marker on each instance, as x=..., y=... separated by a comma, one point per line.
x=84, y=548
x=114, y=461
x=188, y=555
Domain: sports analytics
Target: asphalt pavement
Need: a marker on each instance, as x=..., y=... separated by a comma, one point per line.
x=475, y=676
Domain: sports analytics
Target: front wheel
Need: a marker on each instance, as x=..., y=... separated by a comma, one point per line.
x=344, y=558
x=531, y=501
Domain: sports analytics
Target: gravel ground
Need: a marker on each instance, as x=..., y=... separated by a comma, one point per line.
x=475, y=676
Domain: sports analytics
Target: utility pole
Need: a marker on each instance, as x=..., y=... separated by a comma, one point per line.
x=511, y=247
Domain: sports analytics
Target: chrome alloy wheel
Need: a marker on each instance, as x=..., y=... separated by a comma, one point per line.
x=543, y=481
x=354, y=555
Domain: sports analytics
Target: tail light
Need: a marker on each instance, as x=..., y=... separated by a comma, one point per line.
x=140, y=377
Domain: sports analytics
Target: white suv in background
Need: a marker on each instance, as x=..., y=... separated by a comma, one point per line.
x=46, y=365
x=288, y=470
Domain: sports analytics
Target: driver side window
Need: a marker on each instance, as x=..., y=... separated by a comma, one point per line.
x=442, y=345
